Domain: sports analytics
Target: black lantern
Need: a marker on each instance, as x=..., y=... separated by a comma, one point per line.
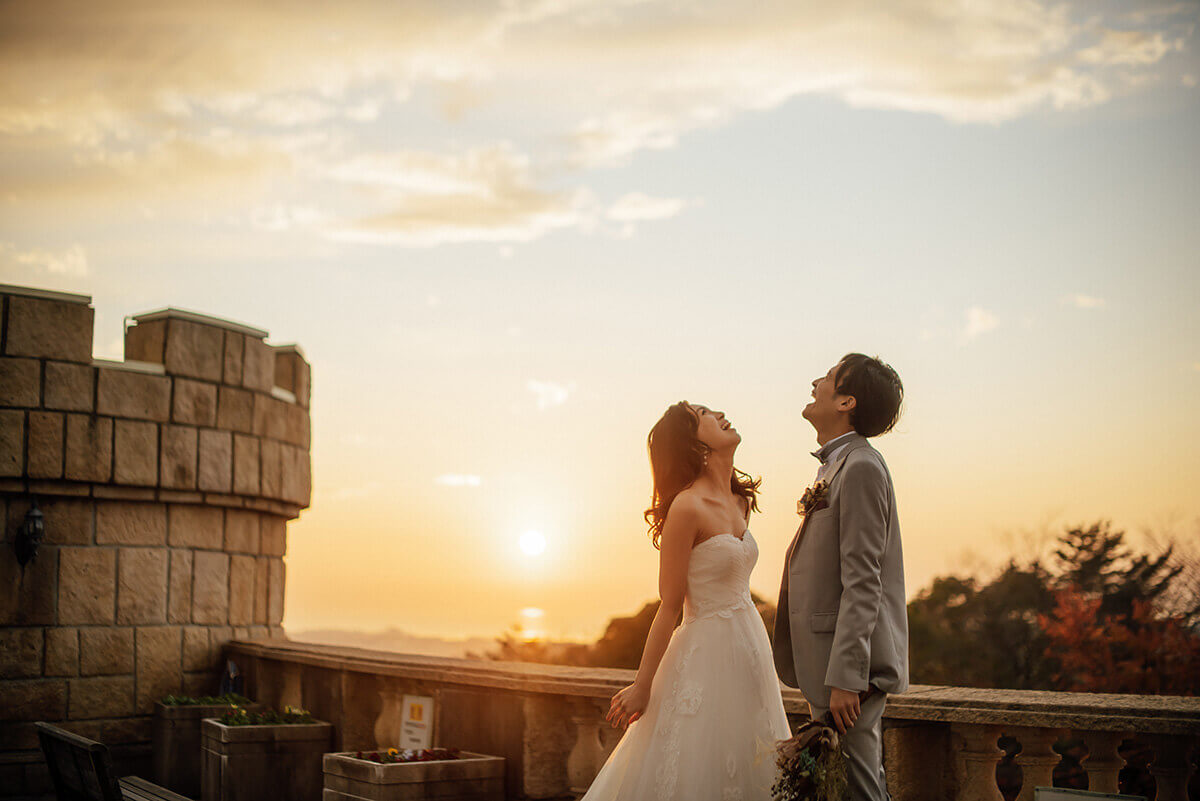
x=30, y=536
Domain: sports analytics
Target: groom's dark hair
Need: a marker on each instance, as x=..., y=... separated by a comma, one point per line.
x=876, y=389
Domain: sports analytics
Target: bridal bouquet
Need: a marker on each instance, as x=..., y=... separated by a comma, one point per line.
x=811, y=765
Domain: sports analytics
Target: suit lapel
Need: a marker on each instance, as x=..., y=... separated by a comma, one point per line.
x=856, y=441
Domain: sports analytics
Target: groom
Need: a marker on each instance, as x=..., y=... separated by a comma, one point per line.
x=841, y=626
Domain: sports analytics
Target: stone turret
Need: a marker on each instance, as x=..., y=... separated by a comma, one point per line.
x=166, y=482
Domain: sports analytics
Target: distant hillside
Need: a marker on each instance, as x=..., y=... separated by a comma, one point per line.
x=395, y=640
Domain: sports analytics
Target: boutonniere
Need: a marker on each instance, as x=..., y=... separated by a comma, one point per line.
x=812, y=496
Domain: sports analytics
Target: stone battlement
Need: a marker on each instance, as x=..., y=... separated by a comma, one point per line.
x=166, y=482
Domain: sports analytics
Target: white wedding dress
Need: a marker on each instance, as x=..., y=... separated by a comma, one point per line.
x=715, y=713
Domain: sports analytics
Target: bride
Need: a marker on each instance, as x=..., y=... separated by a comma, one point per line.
x=704, y=711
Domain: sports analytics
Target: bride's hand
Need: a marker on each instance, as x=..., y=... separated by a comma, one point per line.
x=628, y=705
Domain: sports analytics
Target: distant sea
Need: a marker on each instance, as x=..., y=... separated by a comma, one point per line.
x=395, y=640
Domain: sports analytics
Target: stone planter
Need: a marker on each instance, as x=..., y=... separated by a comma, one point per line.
x=472, y=777
x=251, y=763
x=176, y=739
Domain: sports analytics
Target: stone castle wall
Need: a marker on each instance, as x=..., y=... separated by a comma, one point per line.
x=166, y=482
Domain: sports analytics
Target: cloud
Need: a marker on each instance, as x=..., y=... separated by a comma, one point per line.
x=1085, y=301
x=458, y=480
x=636, y=207
x=979, y=321
x=548, y=394
x=71, y=261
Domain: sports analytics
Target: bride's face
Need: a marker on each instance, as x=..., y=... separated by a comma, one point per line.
x=714, y=430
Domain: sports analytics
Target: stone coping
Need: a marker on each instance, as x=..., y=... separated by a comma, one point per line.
x=59, y=488
x=282, y=394
x=200, y=317
x=47, y=294
x=1158, y=714
x=133, y=365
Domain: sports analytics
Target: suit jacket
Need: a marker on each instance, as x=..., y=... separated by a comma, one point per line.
x=841, y=620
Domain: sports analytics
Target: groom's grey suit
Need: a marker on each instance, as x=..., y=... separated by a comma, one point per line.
x=841, y=620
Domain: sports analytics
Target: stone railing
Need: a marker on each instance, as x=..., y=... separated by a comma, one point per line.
x=548, y=722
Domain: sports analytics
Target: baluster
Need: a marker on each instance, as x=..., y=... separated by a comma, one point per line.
x=975, y=765
x=391, y=714
x=587, y=755
x=1171, y=767
x=1037, y=758
x=1103, y=763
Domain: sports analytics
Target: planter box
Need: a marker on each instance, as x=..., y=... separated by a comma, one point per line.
x=473, y=777
x=176, y=739
x=254, y=763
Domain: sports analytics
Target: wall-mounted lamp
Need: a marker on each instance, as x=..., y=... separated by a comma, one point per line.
x=30, y=536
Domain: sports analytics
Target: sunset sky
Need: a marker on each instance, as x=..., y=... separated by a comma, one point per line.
x=508, y=235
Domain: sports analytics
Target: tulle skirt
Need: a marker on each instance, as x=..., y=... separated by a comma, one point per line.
x=710, y=729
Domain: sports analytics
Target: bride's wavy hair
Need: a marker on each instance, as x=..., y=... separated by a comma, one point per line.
x=676, y=460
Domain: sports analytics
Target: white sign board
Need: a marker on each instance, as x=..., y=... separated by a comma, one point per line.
x=1056, y=794
x=416, y=722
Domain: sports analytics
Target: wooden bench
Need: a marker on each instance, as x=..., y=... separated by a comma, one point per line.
x=81, y=770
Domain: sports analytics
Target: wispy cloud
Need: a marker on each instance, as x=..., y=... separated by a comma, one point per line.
x=548, y=394
x=1085, y=301
x=71, y=261
x=458, y=480
x=636, y=207
x=979, y=321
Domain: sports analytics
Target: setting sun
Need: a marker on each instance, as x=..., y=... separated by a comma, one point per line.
x=533, y=543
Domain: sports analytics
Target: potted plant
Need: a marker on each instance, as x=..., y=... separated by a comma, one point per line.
x=247, y=756
x=175, y=735
x=447, y=774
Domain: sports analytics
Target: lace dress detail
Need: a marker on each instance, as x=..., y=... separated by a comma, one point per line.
x=715, y=711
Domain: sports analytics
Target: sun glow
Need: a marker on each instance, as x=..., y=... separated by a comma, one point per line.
x=533, y=543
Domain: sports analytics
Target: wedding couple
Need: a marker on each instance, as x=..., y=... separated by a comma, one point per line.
x=705, y=713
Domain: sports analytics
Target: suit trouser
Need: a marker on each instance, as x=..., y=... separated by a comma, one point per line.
x=863, y=748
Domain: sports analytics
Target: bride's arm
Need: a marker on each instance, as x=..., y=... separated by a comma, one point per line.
x=675, y=544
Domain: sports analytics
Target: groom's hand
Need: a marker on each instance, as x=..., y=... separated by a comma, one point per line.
x=844, y=706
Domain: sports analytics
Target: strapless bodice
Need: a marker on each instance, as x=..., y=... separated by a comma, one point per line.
x=719, y=576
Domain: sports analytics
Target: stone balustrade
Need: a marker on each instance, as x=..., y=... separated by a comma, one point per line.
x=548, y=721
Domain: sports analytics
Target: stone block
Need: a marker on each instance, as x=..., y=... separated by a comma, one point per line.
x=190, y=526
x=262, y=588
x=101, y=697
x=178, y=457
x=33, y=700
x=89, y=448
x=234, y=348
x=62, y=651
x=144, y=341
x=245, y=464
x=194, y=350
x=21, y=652
x=272, y=469
x=216, y=461
x=113, y=492
x=210, y=588
x=196, y=652
x=20, y=382
x=200, y=683
x=296, y=478
x=128, y=393
x=241, y=590
x=130, y=523
x=44, y=458
x=241, y=531
x=27, y=596
x=292, y=373
x=120, y=731
x=235, y=409
x=142, y=585
x=87, y=585
x=65, y=521
x=135, y=453
x=49, y=329
x=159, y=664
x=258, y=365
x=12, y=442
x=105, y=651
x=69, y=386
x=179, y=592
x=295, y=425
x=218, y=638
x=275, y=580
x=195, y=403
x=272, y=535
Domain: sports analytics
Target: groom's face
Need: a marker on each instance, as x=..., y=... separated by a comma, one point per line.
x=826, y=404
